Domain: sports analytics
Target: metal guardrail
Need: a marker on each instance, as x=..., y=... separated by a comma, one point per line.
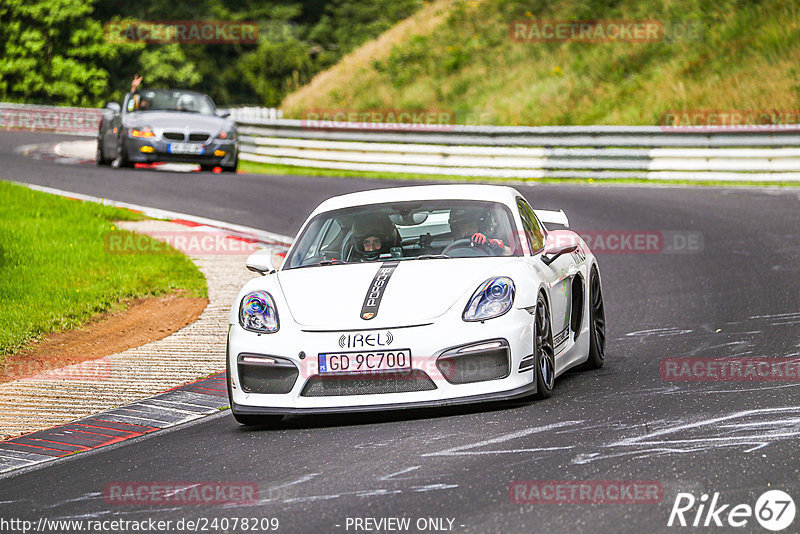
x=255, y=114
x=751, y=153
x=747, y=153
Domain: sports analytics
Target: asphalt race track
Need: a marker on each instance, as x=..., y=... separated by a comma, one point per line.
x=738, y=296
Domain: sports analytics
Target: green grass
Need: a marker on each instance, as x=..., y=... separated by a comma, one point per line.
x=267, y=168
x=55, y=271
x=724, y=55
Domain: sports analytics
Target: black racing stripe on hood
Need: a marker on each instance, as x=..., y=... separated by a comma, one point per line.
x=372, y=301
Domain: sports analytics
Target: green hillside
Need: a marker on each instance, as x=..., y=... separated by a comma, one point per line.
x=459, y=56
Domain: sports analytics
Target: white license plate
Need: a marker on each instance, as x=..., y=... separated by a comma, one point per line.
x=365, y=361
x=186, y=148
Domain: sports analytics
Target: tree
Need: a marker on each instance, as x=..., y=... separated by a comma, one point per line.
x=51, y=52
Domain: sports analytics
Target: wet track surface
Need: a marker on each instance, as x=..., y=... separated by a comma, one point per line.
x=738, y=296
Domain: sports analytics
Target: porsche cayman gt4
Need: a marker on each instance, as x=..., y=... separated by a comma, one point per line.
x=414, y=297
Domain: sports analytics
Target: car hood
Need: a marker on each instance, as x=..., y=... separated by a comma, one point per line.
x=175, y=120
x=331, y=297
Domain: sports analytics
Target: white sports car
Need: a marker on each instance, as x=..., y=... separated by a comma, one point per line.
x=414, y=297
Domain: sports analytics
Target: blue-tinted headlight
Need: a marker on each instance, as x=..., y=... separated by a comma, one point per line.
x=492, y=299
x=257, y=313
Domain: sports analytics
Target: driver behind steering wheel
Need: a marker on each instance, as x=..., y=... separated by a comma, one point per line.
x=372, y=236
x=470, y=223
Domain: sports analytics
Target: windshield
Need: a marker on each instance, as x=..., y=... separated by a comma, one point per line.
x=170, y=100
x=431, y=229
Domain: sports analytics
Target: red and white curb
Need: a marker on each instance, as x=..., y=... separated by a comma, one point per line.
x=173, y=407
x=57, y=404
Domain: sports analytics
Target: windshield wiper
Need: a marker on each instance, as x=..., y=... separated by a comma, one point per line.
x=432, y=257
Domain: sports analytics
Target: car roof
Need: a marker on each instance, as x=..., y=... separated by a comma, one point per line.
x=497, y=193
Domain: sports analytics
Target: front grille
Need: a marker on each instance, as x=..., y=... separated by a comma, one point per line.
x=368, y=384
x=477, y=366
x=270, y=379
x=175, y=136
x=198, y=137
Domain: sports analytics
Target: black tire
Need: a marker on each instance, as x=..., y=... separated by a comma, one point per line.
x=207, y=168
x=544, y=366
x=98, y=155
x=122, y=160
x=597, y=323
x=231, y=170
x=248, y=419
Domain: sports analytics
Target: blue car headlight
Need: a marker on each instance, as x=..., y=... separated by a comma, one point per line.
x=257, y=313
x=492, y=299
x=227, y=135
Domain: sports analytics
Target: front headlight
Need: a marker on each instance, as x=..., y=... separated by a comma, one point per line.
x=257, y=313
x=227, y=135
x=492, y=299
x=144, y=131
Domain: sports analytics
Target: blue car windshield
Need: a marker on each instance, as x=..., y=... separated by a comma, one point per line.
x=428, y=229
x=170, y=100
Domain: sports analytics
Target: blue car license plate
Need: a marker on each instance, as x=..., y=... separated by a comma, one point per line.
x=365, y=361
x=186, y=148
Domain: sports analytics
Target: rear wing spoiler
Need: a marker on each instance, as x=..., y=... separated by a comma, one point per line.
x=550, y=216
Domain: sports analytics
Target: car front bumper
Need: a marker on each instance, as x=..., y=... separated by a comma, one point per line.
x=426, y=342
x=158, y=150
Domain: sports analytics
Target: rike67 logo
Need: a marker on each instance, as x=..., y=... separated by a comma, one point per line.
x=774, y=510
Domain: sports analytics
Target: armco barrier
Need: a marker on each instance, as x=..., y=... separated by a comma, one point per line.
x=765, y=153
x=649, y=152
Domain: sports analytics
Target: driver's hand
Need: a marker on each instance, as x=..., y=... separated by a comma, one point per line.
x=479, y=239
x=497, y=243
x=135, y=83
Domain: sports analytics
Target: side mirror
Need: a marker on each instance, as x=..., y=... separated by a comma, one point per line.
x=113, y=106
x=551, y=252
x=223, y=113
x=260, y=262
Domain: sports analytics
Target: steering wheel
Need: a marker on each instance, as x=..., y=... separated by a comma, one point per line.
x=470, y=249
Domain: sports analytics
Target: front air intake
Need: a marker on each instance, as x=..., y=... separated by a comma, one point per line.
x=368, y=383
x=476, y=362
x=260, y=373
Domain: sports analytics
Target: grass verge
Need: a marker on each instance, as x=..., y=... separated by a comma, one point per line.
x=267, y=168
x=463, y=57
x=55, y=270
